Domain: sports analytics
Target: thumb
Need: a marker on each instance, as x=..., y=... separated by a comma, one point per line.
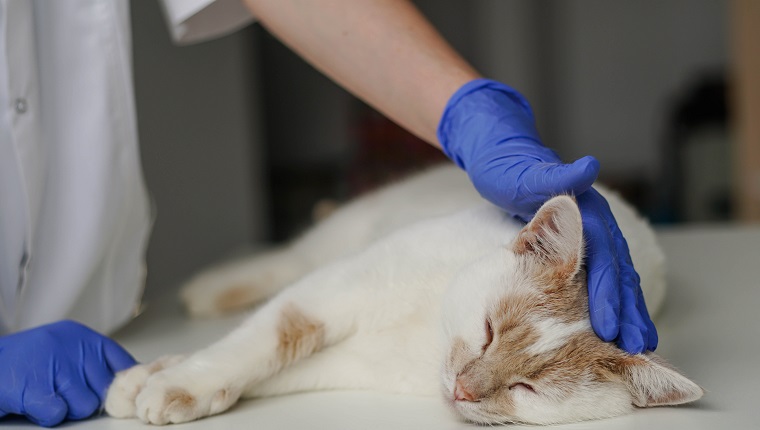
x=117, y=357
x=575, y=178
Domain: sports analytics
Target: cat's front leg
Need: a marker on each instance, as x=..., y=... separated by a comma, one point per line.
x=316, y=312
x=363, y=293
x=206, y=383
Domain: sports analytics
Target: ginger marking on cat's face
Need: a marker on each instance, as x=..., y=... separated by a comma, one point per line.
x=553, y=333
x=298, y=335
x=545, y=364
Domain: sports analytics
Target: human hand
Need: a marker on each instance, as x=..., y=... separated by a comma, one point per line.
x=616, y=302
x=57, y=371
x=488, y=129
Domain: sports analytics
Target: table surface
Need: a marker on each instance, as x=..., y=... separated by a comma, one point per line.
x=709, y=328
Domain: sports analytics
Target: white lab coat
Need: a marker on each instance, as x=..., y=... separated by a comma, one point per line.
x=74, y=214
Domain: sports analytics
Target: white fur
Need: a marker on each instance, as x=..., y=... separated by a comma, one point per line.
x=381, y=274
x=554, y=333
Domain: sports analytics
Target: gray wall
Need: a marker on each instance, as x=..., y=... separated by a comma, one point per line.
x=615, y=67
x=598, y=73
x=201, y=150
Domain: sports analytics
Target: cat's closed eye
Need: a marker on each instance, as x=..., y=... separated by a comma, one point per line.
x=522, y=386
x=489, y=334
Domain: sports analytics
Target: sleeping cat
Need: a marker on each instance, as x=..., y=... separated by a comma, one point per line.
x=422, y=288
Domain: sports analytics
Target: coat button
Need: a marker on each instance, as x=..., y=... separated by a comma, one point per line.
x=21, y=106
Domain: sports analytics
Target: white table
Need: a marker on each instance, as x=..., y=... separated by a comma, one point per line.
x=709, y=328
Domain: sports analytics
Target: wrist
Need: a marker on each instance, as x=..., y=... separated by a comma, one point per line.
x=484, y=113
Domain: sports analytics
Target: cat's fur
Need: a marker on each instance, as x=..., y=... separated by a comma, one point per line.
x=420, y=288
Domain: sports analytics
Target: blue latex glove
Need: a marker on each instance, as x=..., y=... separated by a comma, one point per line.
x=488, y=130
x=57, y=371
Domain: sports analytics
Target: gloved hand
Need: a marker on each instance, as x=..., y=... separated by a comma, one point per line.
x=57, y=371
x=488, y=130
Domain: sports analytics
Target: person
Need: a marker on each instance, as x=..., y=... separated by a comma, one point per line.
x=74, y=218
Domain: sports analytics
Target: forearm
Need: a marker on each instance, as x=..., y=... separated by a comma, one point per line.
x=383, y=51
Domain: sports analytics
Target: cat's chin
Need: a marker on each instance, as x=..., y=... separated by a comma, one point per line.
x=473, y=412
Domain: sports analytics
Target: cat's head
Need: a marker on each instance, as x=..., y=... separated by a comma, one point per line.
x=521, y=347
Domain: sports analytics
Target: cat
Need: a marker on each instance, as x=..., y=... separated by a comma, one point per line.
x=424, y=288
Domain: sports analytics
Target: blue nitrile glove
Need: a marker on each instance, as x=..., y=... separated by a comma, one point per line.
x=57, y=371
x=488, y=130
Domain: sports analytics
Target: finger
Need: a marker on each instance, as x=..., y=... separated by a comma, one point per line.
x=523, y=183
x=80, y=398
x=636, y=337
x=652, y=338
x=633, y=331
x=43, y=406
x=83, y=403
x=116, y=357
x=602, y=273
x=630, y=339
x=11, y=400
x=574, y=178
x=98, y=372
x=644, y=321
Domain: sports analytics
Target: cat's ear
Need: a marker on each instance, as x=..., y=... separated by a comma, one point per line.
x=653, y=382
x=554, y=236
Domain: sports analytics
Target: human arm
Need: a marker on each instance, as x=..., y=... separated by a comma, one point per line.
x=57, y=372
x=386, y=53
x=488, y=129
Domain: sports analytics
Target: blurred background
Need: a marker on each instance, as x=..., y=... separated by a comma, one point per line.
x=240, y=139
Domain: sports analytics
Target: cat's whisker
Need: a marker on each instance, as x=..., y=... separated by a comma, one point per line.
x=496, y=418
x=486, y=417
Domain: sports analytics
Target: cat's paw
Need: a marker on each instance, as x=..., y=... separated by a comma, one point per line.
x=178, y=395
x=121, y=395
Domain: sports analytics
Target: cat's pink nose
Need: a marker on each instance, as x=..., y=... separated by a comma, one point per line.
x=461, y=393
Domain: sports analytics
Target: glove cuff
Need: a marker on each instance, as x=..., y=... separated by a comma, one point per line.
x=486, y=113
x=480, y=84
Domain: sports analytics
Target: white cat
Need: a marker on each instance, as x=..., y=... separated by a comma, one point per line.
x=422, y=288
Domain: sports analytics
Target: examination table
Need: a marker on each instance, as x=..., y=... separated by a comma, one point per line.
x=709, y=328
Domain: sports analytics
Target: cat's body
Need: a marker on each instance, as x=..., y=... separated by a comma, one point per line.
x=420, y=288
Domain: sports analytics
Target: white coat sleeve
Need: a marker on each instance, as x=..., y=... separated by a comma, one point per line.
x=192, y=21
